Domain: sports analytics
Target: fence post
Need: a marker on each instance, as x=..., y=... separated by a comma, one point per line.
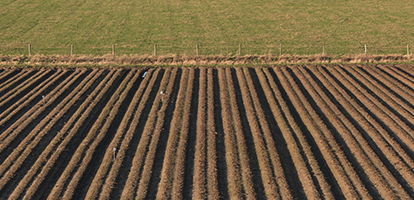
x=365, y=48
x=71, y=49
x=323, y=51
x=280, y=49
x=155, y=49
x=408, y=49
x=239, y=49
x=113, y=49
x=30, y=49
x=197, y=49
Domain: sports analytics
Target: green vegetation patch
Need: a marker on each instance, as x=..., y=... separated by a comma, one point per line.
x=176, y=26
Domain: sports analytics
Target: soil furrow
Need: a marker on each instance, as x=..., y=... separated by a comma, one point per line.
x=192, y=135
x=395, y=92
x=115, y=181
x=260, y=130
x=13, y=136
x=234, y=174
x=112, y=151
x=247, y=152
x=398, y=156
x=368, y=130
x=135, y=171
x=63, y=146
x=247, y=132
x=129, y=173
x=347, y=178
x=301, y=142
x=217, y=164
x=18, y=91
x=408, y=71
x=380, y=113
x=200, y=163
x=105, y=129
x=283, y=141
x=393, y=73
x=29, y=86
x=47, y=130
x=374, y=102
x=14, y=81
x=165, y=184
x=7, y=76
x=402, y=72
x=179, y=176
x=25, y=155
x=365, y=157
x=156, y=150
x=18, y=108
x=386, y=98
x=170, y=100
x=31, y=118
x=10, y=95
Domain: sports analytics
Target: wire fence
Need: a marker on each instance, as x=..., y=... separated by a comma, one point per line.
x=200, y=49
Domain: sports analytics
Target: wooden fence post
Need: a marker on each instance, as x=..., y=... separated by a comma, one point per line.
x=365, y=48
x=30, y=49
x=280, y=49
x=239, y=49
x=408, y=49
x=71, y=49
x=197, y=49
x=155, y=49
x=113, y=49
x=323, y=51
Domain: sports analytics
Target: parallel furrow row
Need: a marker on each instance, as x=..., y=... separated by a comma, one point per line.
x=274, y=132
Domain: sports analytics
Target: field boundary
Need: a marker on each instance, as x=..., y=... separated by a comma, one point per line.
x=177, y=60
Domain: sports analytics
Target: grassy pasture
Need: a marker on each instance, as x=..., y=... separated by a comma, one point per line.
x=176, y=26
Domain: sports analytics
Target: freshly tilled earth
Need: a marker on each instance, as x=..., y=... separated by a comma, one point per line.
x=291, y=132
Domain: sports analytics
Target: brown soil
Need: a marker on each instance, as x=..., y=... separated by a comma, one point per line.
x=303, y=131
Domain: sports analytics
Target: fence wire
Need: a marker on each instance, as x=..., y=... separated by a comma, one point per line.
x=152, y=49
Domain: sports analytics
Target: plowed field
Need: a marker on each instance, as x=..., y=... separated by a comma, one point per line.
x=291, y=132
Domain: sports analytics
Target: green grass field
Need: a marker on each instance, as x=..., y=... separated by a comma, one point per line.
x=176, y=26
